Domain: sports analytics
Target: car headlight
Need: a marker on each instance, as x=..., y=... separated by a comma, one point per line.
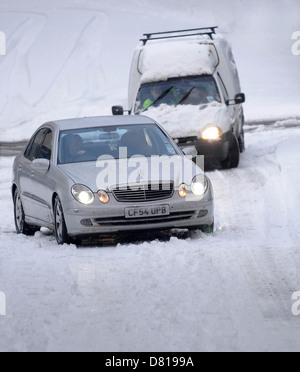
x=182, y=191
x=103, y=196
x=199, y=185
x=212, y=133
x=83, y=194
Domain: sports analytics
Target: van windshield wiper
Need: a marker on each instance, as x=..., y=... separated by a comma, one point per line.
x=167, y=91
x=185, y=96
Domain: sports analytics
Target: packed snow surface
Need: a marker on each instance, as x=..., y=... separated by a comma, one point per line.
x=231, y=291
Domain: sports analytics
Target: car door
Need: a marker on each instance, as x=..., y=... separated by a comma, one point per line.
x=41, y=181
x=26, y=174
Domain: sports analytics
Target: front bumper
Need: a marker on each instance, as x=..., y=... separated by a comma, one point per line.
x=214, y=150
x=110, y=218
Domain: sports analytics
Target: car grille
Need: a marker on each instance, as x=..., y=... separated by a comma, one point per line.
x=144, y=193
x=122, y=221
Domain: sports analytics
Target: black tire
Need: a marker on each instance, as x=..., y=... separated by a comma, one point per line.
x=233, y=159
x=207, y=229
x=60, y=228
x=242, y=136
x=19, y=216
x=242, y=142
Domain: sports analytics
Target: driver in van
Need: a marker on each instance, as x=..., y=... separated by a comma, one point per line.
x=154, y=94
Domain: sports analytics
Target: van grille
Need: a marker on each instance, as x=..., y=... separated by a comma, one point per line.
x=186, y=141
x=144, y=193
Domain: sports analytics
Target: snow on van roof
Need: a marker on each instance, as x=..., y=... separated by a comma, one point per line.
x=160, y=61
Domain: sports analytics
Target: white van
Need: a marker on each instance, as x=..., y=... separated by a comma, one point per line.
x=188, y=82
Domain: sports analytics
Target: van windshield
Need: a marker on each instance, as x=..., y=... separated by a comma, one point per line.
x=194, y=90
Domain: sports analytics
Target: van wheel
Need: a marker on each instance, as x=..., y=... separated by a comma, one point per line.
x=233, y=158
x=242, y=141
x=60, y=227
x=21, y=226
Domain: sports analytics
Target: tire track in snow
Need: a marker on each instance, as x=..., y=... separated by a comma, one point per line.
x=248, y=202
x=82, y=34
x=18, y=46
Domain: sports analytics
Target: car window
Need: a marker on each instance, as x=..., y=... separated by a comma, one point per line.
x=34, y=147
x=84, y=145
x=46, y=147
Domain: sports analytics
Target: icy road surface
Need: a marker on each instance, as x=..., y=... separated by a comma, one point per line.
x=231, y=291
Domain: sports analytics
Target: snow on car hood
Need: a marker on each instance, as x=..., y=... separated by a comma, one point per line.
x=187, y=120
x=105, y=174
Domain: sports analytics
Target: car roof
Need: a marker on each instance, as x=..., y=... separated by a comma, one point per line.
x=102, y=121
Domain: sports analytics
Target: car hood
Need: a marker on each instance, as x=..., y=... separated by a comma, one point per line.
x=106, y=174
x=188, y=120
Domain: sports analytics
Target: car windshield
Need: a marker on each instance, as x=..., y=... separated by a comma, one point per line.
x=118, y=142
x=194, y=90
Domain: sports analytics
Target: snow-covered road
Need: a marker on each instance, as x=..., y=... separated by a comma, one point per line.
x=231, y=291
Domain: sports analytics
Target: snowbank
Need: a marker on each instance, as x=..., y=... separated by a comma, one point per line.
x=160, y=61
x=72, y=58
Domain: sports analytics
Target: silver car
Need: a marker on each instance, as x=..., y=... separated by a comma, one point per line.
x=90, y=176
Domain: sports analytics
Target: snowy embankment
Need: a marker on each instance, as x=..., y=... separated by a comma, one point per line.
x=229, y=291
x=72, y=59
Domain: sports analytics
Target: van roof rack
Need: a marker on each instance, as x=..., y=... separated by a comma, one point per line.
x=210, y=31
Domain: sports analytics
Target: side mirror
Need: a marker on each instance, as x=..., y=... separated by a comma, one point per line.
x=190, y=151
x=117, y=110
x=238, y=100
x=41, y=165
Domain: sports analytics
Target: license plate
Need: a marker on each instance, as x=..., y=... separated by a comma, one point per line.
x=144, y=212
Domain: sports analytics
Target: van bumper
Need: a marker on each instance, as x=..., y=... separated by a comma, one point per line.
x=212, y=150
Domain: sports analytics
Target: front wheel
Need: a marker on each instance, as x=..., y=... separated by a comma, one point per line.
x=207, y=229
x=21, y=226
x=233, y=158
x=60, y=227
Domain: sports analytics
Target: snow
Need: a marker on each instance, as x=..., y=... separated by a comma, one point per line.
x=161, y=61
x=231, y=291
x=72, y=59
x=189, y=120
x=227, y=292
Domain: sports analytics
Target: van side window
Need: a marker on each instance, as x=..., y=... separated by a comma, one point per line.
x=223, y=87
x=232, y=63
x=34, y=146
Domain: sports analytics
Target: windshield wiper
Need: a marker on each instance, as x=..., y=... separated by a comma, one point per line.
x=160, y=97
x=185, y=96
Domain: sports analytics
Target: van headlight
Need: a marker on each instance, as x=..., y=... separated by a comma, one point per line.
x=199, y=185
x=212, y=133
x=83, y=194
